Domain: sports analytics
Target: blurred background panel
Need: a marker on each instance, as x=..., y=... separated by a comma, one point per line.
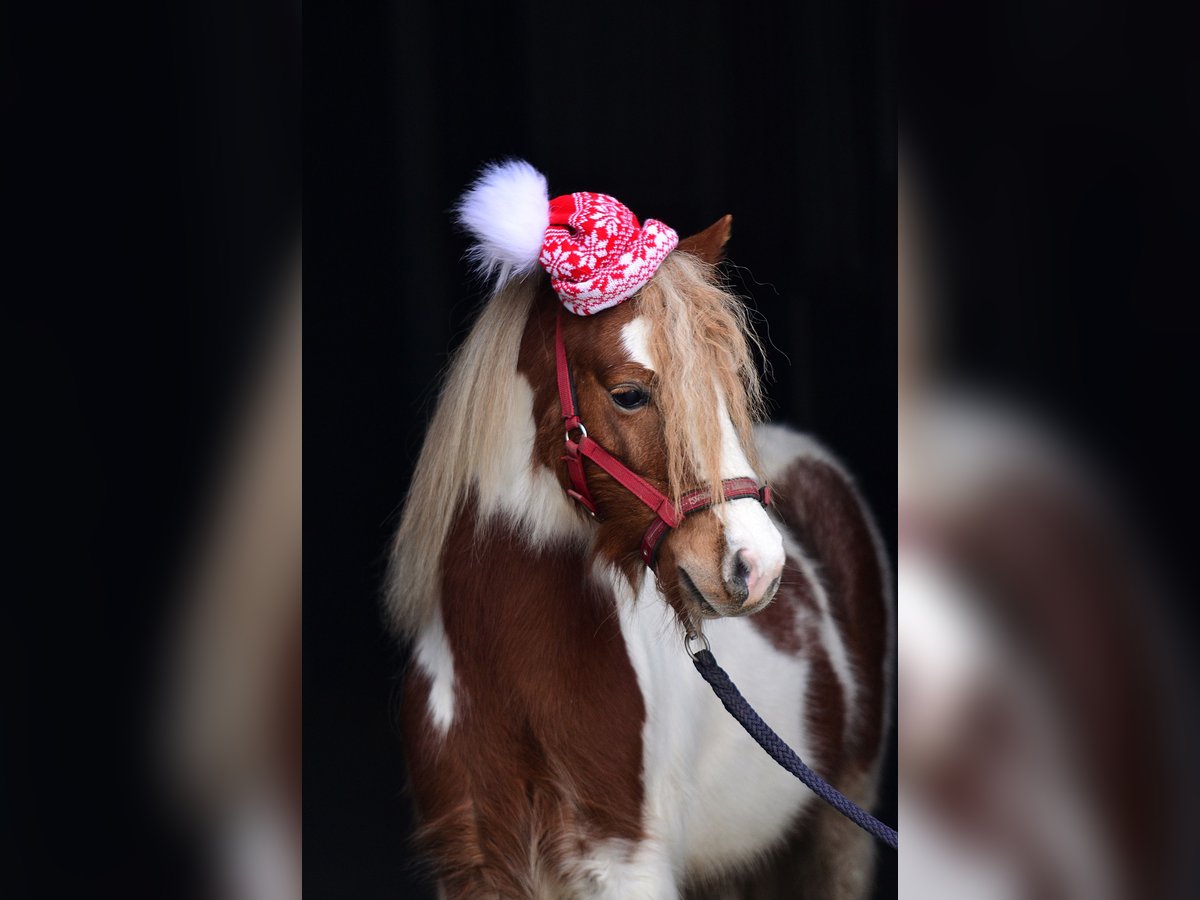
x=151, y=306
x=1047, y=234
x=783, y=115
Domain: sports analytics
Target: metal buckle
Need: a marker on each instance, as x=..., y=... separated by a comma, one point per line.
x=692, y=636
x=582, y=433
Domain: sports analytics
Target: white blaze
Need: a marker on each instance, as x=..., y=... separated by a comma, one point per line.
x=747, y=525
x=635, y=337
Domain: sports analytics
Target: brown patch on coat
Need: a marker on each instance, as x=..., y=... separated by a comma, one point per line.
x=779, y=621
x=544, y=754
x=825, y=702
x=824, y=513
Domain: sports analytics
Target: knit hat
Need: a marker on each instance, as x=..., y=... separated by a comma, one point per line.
x=592, y=245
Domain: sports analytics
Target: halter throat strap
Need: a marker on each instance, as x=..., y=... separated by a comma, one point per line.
x=577, y=450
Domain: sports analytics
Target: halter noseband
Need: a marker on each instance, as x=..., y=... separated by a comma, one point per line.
x=662, y=507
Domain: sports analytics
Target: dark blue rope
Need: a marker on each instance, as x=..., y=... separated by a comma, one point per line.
x=731, y=697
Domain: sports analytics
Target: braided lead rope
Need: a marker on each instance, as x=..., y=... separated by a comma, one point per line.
x=732, y=699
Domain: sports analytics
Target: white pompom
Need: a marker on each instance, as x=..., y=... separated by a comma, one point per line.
x=506, y=210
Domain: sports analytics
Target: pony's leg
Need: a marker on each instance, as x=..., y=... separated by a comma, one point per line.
x=830, y=857
x=839, y=859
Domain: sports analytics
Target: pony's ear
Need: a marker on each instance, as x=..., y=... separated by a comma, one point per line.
x=710, y=243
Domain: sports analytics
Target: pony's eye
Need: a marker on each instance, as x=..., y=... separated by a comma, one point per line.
x=630, y=397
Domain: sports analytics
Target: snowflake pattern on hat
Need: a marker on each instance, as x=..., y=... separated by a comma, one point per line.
x=597, y=253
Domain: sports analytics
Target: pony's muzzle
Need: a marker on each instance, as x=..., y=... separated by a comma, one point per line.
x=729, y=560
x=748, y=587
x=751, y=582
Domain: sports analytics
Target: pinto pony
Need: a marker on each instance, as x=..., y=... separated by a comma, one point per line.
x=558, y=740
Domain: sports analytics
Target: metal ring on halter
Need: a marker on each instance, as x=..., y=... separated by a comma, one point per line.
x=582, y=432
x=692, y=636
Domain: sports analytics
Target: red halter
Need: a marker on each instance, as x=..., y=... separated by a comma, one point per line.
x=662, y=507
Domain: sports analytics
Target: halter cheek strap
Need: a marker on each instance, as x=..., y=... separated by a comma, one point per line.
x=576, y=451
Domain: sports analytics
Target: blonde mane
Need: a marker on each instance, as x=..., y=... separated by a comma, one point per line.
x=462, y=443
x=701, y=341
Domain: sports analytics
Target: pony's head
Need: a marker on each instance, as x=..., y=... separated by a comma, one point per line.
x=664, y=380
x=666, y=383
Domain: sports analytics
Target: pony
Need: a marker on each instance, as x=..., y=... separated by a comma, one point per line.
x=557, y=739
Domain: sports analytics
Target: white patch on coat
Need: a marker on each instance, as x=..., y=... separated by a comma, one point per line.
x=525, y=494
x=635, y=338
x=746, y=523
x=434, y=658
x=713, y=799
x=622, y=870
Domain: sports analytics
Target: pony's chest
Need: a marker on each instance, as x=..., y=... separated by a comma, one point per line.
x=713, y=797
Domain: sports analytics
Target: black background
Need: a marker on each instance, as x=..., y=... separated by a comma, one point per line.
x=1056, y=147
x=153, y=195
x=685, y=112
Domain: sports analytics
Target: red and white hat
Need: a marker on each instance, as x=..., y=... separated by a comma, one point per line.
x=592, y=245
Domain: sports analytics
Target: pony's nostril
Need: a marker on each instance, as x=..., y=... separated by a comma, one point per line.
x=741, y=571
x=752, y=577
x=744, y=576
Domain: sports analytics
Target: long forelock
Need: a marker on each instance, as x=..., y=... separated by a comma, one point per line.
x=704, y=350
